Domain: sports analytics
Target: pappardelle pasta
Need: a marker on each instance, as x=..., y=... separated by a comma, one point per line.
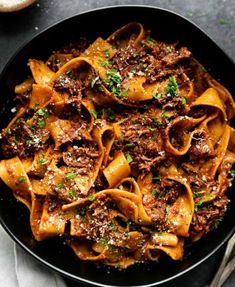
x=123, y=146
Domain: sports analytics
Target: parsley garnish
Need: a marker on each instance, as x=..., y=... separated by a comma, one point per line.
x=184, y=100
x=150, y=41
x=70, y=175
x=72, y=193
x=43, y=113
x=42, y=161
x=58, y=187
x=164, y=115
x=232, y=173
x=128, y=157
x=71, y=75
x=105, y=63
x=203, y=200
x=113, y=81
x=106, y=53
x=217, y=222
x=156, y=178
x=195, y=193
x=30, y=142
x=151, y=128
x=41, y=124
x=130, y=145
x=94, y=113
x=91, y=197
x=124, y=93
x=167, y=209
x=21, y=179
x=154, y=192
x=172, y=87
x=113, y=227
x=168, y=49
x=94, y=82
x=9, y=132
x=114, y=76
x=157, y=96
x=103, y=241
x=161, y=194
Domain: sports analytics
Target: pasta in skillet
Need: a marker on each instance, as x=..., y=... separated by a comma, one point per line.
x=122, y=146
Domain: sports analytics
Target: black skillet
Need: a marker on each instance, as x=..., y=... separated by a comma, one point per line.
x=165, y=26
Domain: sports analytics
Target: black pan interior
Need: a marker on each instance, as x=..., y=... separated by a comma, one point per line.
x=165, y=26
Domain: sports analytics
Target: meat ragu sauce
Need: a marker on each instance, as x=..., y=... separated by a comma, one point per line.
x=123, y=146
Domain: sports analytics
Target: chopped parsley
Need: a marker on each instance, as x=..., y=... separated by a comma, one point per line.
x=106, y=53
x=41, y=124
x=43, y=113
x=72, y=193
x=172, y=87
x=113, y=81
x=161, y=194
x=203, y=200
x=130, y=145
x=184, y=100
x=128, y=157
x=94, y=82
x=42, y=161
x=21, y=179
x=113, y=227
x=150, y=41
x=71, y=75
x=168, y=49
x=30, y=142
x=70, y=175
x=9, y=132
x=151, y=128
x=114, y=76
x=124, y=93
x=58, y=187
x=103, y=241
x=157, y=96
x=195, y=193
x=217, y=222
x=94, y=113
x=91, y=197
x=156, y=178
x=154, y=192
x=232, y=173
x=164, y=115
x=167, y=209
x=105, y=63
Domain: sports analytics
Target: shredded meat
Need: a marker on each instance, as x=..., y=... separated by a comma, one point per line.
x=82, y=157
x=67, y=84
x=154, y=61
x=206, y=217
x=163, y=193
x=21, y=140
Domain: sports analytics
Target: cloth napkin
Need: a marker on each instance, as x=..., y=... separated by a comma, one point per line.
x=18, y=269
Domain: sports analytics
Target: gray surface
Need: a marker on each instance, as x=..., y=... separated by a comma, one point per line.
x=216, y=17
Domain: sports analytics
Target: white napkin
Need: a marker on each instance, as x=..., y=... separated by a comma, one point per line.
x=18, y=269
